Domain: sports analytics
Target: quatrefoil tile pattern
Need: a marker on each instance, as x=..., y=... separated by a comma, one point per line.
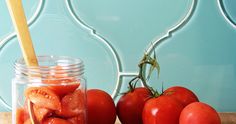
x=193, y=39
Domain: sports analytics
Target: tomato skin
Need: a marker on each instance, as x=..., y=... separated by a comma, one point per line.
x=162, y=110
x=58, y=76
x=43, y=97
x=80, y=119
x=199, y=113
x=61, y=90
x=101, y=107
x=72, y=104
x=184, y=95
x=21, y=115
x=55, y=121
x=28, y=121
x=130, y=106
x=40, y=112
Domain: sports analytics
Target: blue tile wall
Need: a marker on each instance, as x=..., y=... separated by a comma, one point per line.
x=195, y=41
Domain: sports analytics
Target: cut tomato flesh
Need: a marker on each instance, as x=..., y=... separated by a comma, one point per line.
x=55, y=121
x=28, y=121
x=72, y=104
x=63, y=89
x=40, y=112
x=43, y=97
x=80, y=119
x=62, y=86
x=21, y=116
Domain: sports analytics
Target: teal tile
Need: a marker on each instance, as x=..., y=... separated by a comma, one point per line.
x=193, y=39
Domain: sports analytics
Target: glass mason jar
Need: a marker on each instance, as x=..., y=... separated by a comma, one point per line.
x=55, y=91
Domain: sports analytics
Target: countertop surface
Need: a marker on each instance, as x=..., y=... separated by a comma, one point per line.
x=226, y=118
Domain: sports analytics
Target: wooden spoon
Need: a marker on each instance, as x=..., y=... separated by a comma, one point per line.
x=19, y=20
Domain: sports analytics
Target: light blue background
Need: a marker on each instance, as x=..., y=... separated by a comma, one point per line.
x=199, y=55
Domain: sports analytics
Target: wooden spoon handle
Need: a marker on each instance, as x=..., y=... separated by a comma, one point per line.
x=19, y=20
x=20, y=23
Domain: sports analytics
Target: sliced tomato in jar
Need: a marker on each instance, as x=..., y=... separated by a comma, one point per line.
x=60, y=82
x=28, y=121
x=21, y=116
x=43, y=97
x=54, y=120
x=40, y=112
x=62, y=86
x=72, y=104
x=80, y=119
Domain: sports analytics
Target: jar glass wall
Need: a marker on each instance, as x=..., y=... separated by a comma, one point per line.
x=53, y=91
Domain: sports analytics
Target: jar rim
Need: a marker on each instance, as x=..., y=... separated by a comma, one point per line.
x=21, y=63
x=59, y=66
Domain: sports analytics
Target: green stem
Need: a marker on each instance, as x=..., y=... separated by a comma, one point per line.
x=132, y=86
x=147, y=60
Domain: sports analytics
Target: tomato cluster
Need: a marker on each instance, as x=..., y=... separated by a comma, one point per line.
x=53, y=104
x=176, y=105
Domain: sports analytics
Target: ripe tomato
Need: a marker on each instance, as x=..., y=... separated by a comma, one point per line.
x=199, y=113
x=43, y=97
x=130, y=105
x=28, y=121
x=61, y=90
x=58, y=75
x=40, y=112
x=162, y=110
x=68, y=86
x=78, y=119
x=55, y=121
x=72, y=104
x=184, y=95
x=21, y=116
x=101, y=107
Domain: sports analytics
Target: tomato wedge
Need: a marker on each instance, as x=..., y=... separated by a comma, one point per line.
x=78, y=119
x=21, y=116
x=55, y=121
x=64, y=86
x=28, y=121
x=40, y=112
x=43, y=97
x=61, y=83
x=72, y=104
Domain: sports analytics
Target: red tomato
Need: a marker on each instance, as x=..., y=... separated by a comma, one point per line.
x=61, y=90
x=40, y=112
x=58, y=75
x=199, y=113
x=78, y=119
x=184, y=95
x=130, y=105
x=162, y=110
x=28, y=121
x=72, y=104
x=101, y=107
x=55, y=121
x=43, y=97
x=21, y=116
